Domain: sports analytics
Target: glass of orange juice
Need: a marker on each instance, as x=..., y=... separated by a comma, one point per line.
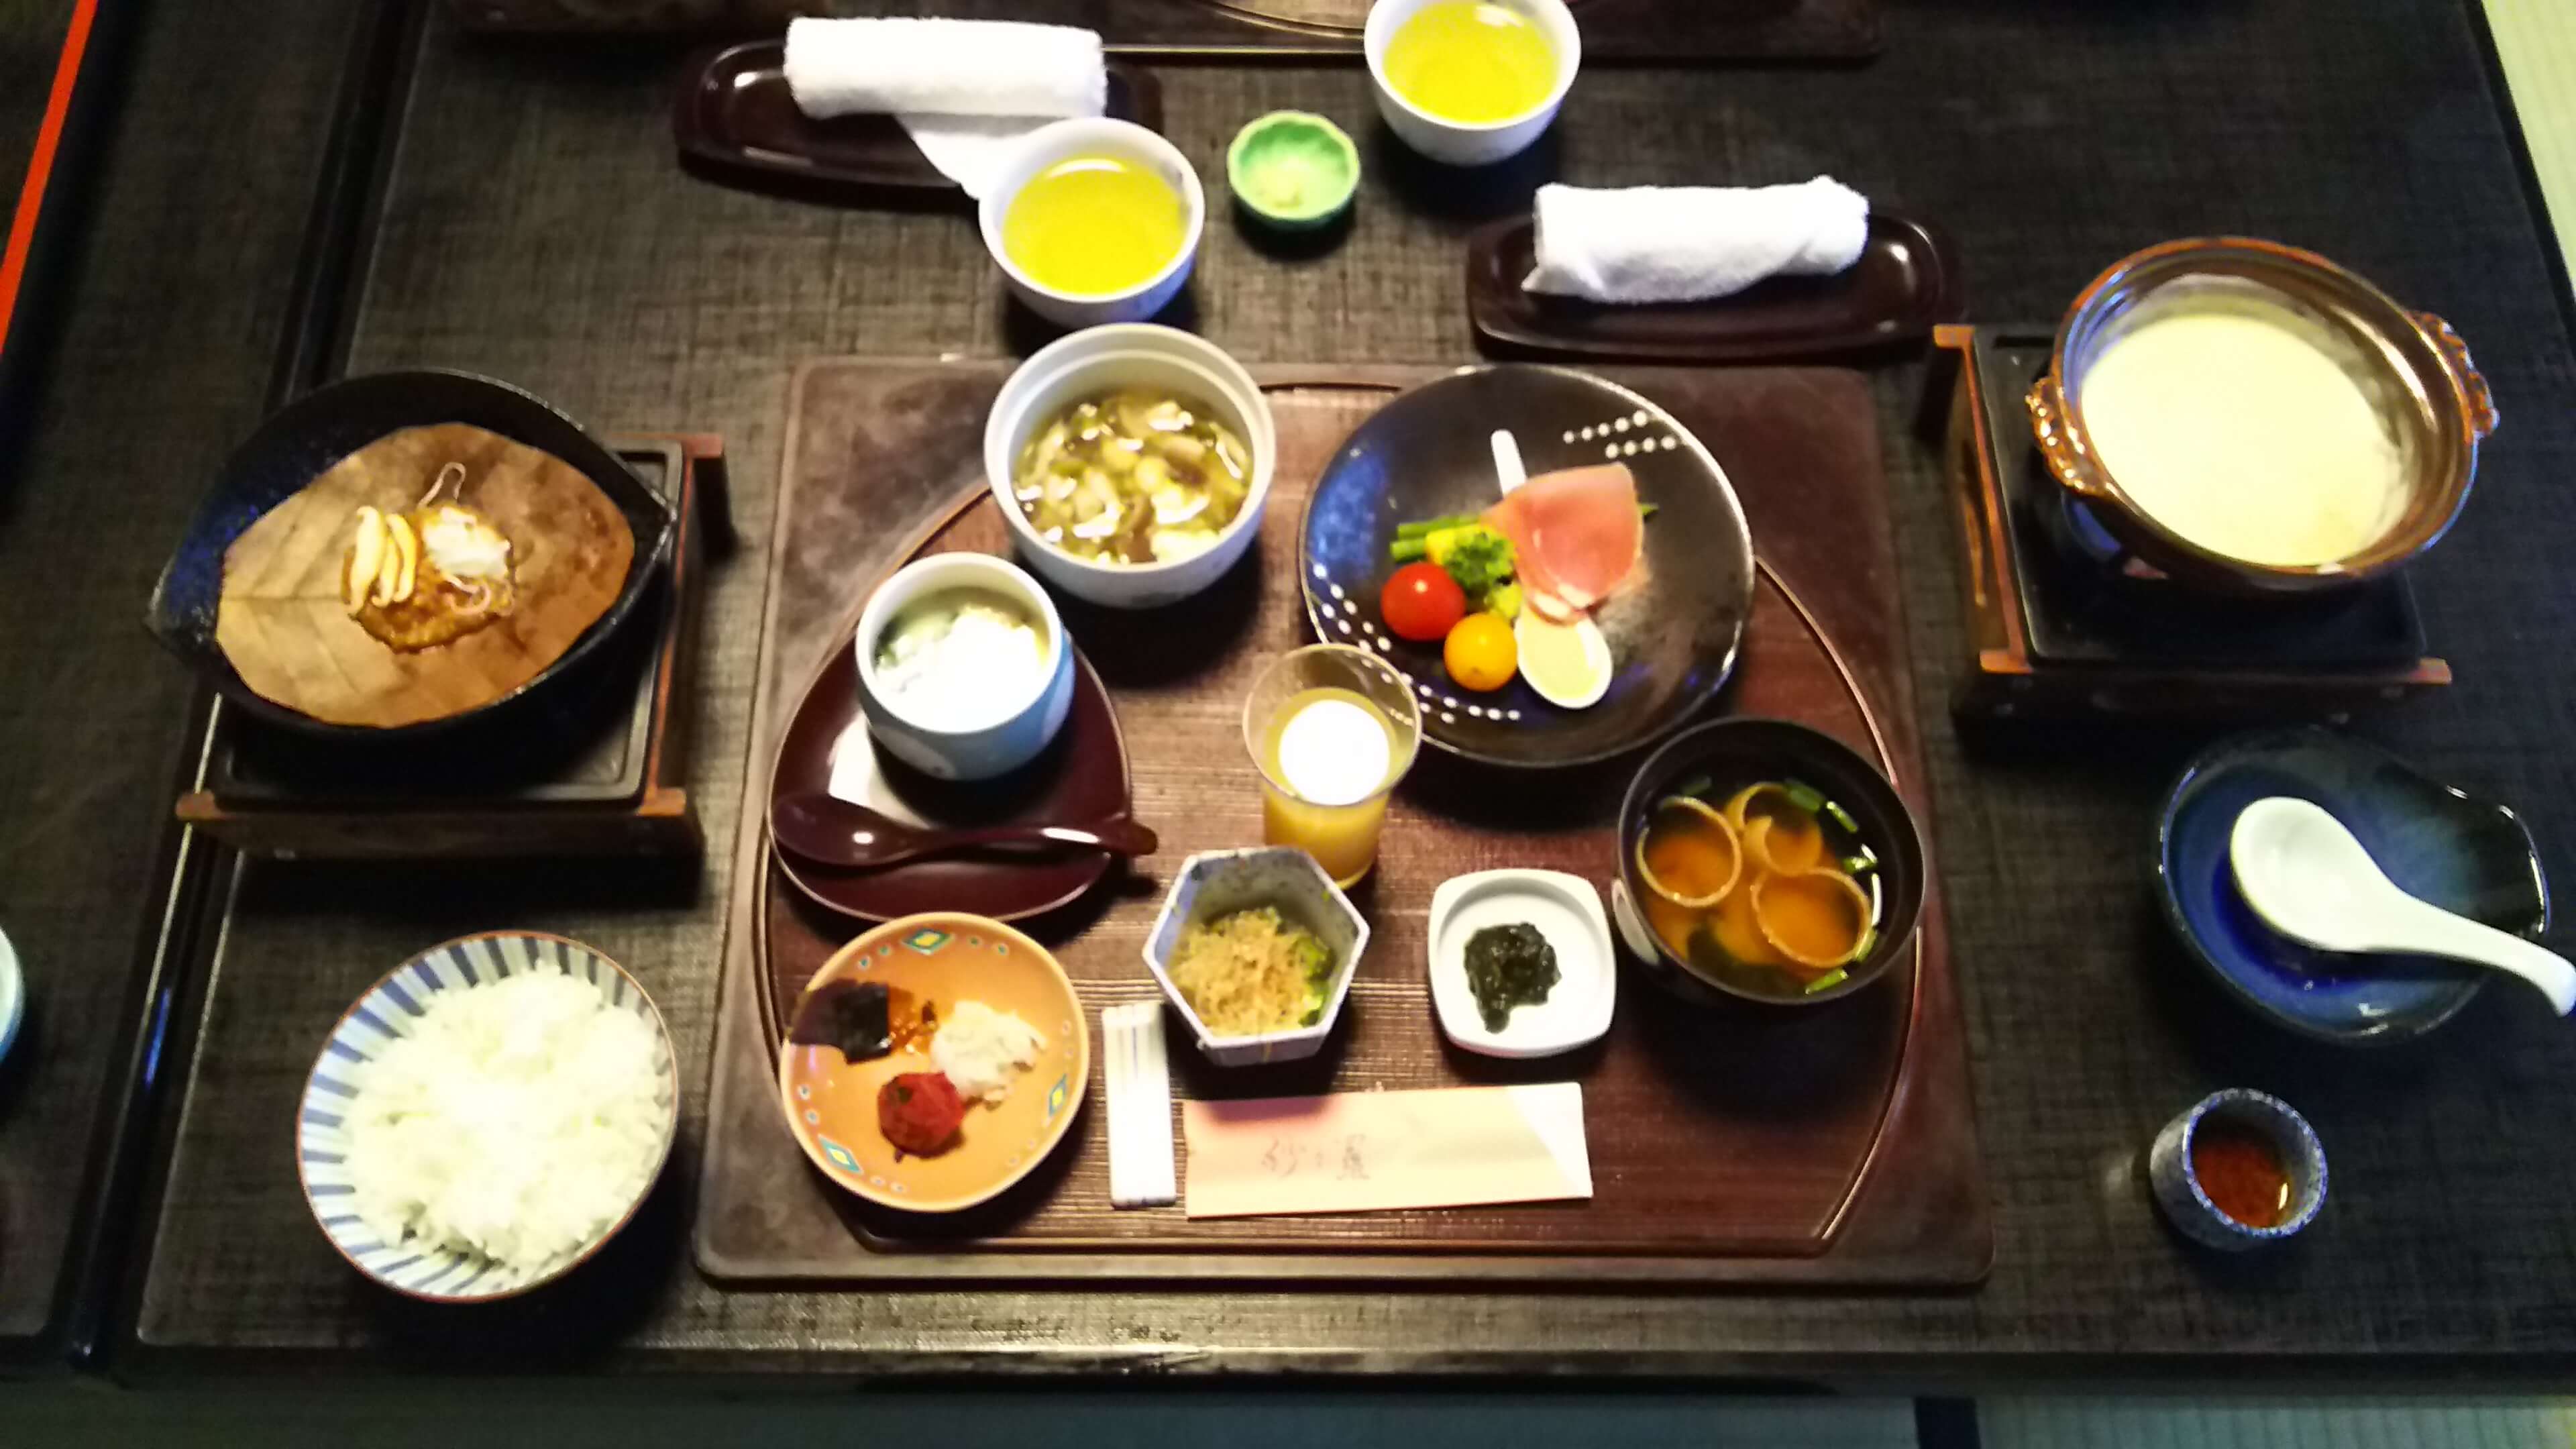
x=1332, y=730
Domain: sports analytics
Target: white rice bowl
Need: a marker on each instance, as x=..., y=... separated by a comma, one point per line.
x=487, y=1116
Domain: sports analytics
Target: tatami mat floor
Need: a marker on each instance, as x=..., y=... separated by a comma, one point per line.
x=2536, y=39
x=2272, y=1424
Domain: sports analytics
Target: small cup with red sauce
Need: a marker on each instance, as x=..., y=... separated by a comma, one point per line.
x=2238, y=1170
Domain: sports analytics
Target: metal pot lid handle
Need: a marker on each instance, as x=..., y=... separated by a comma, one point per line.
x=2066, y=458
x=2473, y=383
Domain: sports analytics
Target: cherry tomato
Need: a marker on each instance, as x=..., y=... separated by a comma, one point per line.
x=1422, y=602
x=1481, y=653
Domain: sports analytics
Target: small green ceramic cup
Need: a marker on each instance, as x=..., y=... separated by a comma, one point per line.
x=1293, y=170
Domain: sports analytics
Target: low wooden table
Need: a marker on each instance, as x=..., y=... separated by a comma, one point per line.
x=534, y=226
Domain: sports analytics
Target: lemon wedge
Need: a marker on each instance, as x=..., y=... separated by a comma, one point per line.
x=1568, y=664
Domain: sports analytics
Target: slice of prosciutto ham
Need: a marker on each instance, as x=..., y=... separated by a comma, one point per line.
x=1575, y=536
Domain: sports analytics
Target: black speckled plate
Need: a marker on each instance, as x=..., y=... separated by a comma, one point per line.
x=1674, y=627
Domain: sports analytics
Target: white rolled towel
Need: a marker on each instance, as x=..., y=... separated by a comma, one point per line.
x=945, y=68
x=965, y=90
x=1690, y=243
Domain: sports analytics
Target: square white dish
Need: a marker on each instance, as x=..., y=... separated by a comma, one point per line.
x=1566, y=909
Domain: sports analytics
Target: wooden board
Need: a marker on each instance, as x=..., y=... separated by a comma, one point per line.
x=1825, y=1146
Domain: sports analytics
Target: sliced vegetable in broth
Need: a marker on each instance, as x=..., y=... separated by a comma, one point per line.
x=1816, y=920
x=1690, y=855
x=1800, y=903
x=1133, y=477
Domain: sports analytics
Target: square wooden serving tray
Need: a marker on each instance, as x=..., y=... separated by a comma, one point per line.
x=1832, y=1145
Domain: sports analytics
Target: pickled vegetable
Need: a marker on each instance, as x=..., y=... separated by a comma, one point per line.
x=1509, y=966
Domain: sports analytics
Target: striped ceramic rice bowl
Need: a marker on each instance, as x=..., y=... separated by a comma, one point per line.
x=393, y=1009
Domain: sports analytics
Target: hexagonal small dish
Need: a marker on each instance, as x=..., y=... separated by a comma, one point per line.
x=1216, y=882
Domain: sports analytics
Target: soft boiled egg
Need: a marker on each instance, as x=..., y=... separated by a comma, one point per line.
x=1568, y=664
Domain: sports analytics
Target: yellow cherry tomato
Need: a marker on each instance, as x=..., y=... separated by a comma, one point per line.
x=1481, y=653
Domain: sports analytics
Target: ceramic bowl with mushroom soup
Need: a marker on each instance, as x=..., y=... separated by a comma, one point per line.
x=1131, y=463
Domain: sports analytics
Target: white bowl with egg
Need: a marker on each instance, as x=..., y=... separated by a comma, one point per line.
x=1101, y=360
x=1218, y=882
x=965, y=672
x=1063, y=141
x=1465, y=143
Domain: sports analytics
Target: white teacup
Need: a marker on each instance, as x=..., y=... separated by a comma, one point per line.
x=1462, y=143
x=1062, y=141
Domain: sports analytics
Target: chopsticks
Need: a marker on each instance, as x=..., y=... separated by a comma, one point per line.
x=1141, y=1172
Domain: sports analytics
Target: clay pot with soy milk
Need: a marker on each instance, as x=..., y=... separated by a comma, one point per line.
x=2252, y=419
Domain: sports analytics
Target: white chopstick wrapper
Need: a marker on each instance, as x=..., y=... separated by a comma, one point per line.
x=1691, y=243
x=966, y=91
x=1141, y=1173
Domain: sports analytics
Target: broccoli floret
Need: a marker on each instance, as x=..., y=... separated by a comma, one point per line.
x=1476, y=556
x=1504, y=599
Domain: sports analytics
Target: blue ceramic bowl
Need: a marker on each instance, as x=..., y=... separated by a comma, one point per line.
x=2460, y=853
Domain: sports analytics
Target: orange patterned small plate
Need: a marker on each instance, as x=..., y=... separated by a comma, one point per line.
x=943, y=958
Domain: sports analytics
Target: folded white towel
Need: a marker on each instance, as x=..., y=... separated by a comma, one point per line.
x=944, y=68
x=965, y=90
x=1688, y=243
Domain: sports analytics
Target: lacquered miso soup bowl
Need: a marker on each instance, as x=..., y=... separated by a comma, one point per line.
x=1728, y=754
x=2414, y=367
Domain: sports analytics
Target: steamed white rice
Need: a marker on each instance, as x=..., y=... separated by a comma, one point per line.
x=518, y=1121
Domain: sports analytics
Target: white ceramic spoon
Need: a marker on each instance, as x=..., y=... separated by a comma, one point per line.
x=1508, y=468
x=2310, y=880
x=13, y=995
